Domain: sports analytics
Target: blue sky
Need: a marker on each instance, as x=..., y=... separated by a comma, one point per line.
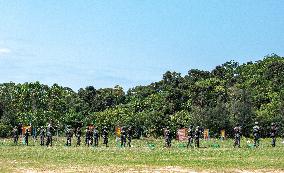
x=131, y=42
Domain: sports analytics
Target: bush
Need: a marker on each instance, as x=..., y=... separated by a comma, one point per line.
x=5, y=130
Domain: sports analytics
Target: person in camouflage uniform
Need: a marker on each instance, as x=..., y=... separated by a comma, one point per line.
x=96, y=137
x=68, y=136
x=20, y=129
x=78, y=135
x=27, y=137
x=129, y=136
x=49, y=135
x=197, y=134
x=15, y=135
x=237, y=134
x=273, y=131
x=190, y=136
x=42, y=135
x=123, y=137
x=91, y=136
x=105, y=136
x=88, y=136
x=256, y=134
x=168, y=140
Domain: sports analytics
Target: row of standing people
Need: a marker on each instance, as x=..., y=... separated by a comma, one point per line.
x=256, y=134
x=126, y=134
x=42, y=133
x=45, y=135
x=193, y=137
x=92, y=136
x=195, y=134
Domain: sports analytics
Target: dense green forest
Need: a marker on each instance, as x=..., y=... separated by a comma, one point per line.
x=218, y=99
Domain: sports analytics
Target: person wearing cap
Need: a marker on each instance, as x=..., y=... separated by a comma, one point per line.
x=273, y=131
x=256, y=134
x=27, y=137
x=129, y=136
x=49, y=135
x=197, y=136
x=88, y=136
x=123, y=137
x=190, y=136
x=91, y=135
x=168, y=139
x=96, y=137
x=237, y=135
x=49, y=138
x=42, y=135
x=15, y=135
x=78, y=135
x=68, y=136
x=105, y=136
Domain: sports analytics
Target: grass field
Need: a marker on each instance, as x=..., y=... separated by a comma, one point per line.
x=142, y=158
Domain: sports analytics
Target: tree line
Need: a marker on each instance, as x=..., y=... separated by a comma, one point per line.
x=231, y=93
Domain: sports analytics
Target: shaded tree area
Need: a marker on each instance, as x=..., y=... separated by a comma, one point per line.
x=219, y=99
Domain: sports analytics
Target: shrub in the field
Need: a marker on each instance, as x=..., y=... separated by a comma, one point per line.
x=4, y=130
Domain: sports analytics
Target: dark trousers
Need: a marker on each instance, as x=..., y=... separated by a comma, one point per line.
x=49, y=141
x=27, y=140
x=42, y=140
x=106, y=141
x=129, y=142
x=168, y=142
x=273, y=143
x=78, y=140
x=197, y=142
x=123, y=141
x=256, y=142
x=88, y=141
x=237, y=142
x=96, y=141
x=190, y=141
x=68, y=142
x=16, y=140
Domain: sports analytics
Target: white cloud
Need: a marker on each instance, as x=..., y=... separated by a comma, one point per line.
x=4, y=51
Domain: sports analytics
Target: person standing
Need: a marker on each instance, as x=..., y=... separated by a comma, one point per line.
x=256, y=134
x=123, y=137
x=197, y=134
x=273, y=131
x=78, y=135
x=96, y=137
x=190, y=136
x=237, y=134
x=27, y=137
x=69, y=136
x=49, y=135
x=20, y=129
x=105, y=136
x=88, y=136
x=168, y=137
x=91, y=135
x=15, y=135
x=129, y=136
x=42, y=135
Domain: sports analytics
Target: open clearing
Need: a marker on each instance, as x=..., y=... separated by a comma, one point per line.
x=141, y=158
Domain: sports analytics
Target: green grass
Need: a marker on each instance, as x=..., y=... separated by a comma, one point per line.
x=140, y=157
